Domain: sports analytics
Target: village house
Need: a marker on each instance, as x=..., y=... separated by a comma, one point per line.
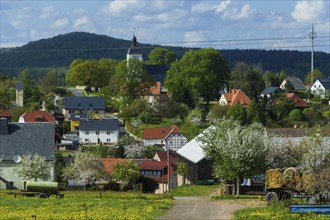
x=298, y=102
x=36, y=116
x=321, y=88
x=235, y=96
x=76, y=108
x=194, y=156
x=99, y=131
x=161, y=169
x=19, y=139
x=168, y=138
x=297, y=84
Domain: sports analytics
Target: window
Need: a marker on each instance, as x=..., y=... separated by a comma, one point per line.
x=108, y=140
x=97, y=111
x=86, y=140
x=86, y=132
x=97, y=132
x=109, y=132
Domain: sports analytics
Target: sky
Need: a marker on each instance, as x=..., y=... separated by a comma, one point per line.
x=228, y=24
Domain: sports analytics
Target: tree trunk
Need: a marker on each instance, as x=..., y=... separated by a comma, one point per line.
x=238, y=187
x=233, y=188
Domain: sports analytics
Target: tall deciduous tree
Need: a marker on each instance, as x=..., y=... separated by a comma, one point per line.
x=237, y=151
x=200, y=73
x=131, y=80
x=316, y=74
x=71, y=70
x=127, y=173
x=160, y=56
x=34, y=167
x=248, y=79
x=88, y=74
x=49, y=81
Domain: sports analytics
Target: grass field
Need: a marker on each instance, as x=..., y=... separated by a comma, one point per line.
x=85, y=205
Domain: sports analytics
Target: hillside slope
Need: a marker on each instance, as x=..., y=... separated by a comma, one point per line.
x=61, y=50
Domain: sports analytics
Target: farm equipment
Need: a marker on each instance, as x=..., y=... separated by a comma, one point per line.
x=286, y=184
x=42, y=189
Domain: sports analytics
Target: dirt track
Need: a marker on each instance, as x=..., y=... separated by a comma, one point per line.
x=202, y=208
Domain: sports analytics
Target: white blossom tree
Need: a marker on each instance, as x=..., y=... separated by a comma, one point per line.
x=237, y=151
x=316, y=159
x=84, y=168
x=34, y=167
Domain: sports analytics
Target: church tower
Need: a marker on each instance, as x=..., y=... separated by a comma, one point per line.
x=19, y=94
x=134, y=52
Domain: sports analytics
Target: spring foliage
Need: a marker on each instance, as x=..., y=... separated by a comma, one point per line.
x=34, y=167
x=237, y=151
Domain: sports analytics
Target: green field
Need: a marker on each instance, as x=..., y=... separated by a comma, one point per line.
x=85, y=205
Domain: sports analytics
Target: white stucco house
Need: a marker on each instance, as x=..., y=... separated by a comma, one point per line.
x=321, y=88
x=97, y=131
x=19, y=139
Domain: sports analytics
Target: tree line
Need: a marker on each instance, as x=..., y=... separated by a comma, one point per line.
x=61, y=50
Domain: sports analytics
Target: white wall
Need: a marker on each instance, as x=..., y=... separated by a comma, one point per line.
x=9, y=173
x=153, y=142
x=103, y=136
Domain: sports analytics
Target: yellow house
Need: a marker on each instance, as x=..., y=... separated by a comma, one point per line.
x=74, y=124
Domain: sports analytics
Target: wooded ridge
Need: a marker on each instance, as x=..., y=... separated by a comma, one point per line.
x=61, y=50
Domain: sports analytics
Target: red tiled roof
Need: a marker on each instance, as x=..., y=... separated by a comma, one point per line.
x=38, y=116
x=236, y=96
x=109, y=163
x=158, y=133
x=155, y=90
x=157, y=166
x=299, y=102
x=6, y=114
x=163, y=156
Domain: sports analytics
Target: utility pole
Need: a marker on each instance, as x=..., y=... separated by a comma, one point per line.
x=312, y=35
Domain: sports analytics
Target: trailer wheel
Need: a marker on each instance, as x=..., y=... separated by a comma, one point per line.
x=43, y=196
x=271, y=197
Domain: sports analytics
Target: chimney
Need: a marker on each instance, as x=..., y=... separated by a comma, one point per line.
x=4, y=126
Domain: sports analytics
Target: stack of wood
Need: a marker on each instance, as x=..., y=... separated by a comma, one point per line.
x=292, y=178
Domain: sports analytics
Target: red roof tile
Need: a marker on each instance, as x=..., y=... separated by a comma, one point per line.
x=155, y=90
x=6, y=114
x=158, y=133
x=109, y=163
x=38, y=116
x=236, y=96
x=299, y=102
x=163, y=156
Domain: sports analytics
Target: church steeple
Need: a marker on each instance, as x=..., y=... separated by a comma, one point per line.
x=134, y=52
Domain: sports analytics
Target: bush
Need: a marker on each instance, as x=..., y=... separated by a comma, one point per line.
x=149, y=185
x=113, y=186
x=296, y=115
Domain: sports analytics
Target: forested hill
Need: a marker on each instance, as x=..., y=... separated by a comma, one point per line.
x=61, y=50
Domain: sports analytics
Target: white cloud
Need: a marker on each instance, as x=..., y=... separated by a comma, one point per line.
x=172, y=16
x=202, y=7
x=308, y=10
x=193, y=38
x=234, y=12
x=83, y=23
x=223, y=6
x=118, y=7
x=60, y=23
x=47, y=12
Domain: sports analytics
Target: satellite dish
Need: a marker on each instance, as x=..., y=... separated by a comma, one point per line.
x=17, y=158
